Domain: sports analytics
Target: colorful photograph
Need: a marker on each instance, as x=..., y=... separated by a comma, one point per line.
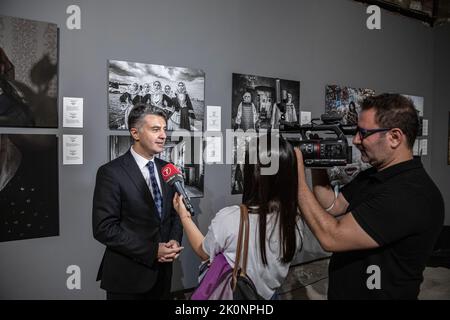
x=345, y=101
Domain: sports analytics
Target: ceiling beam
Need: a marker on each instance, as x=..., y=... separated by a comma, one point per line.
x=422, y=16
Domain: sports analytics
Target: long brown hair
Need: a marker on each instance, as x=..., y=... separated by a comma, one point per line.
x=275, y=193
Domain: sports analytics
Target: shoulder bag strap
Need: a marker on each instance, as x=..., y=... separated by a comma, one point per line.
x=247, y=234
x=243, y=223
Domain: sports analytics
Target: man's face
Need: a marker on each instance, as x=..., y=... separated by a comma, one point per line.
x=374, y=148
x=146, y=87
x=167, y=89
x=247, y=97
x=150, y=138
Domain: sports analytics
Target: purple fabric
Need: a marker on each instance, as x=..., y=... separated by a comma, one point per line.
x=215, y=285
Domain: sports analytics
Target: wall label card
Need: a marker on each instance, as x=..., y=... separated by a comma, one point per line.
x=424, y=127
x=213, y=118
x=72, y=149
x=305, y=117
x=213, y=150
x=424, y=147
x=72, y=112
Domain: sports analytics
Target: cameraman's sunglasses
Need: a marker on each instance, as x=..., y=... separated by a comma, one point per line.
x=364, y=133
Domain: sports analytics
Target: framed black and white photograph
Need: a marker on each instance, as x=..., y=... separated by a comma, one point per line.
x=28, y=186
x=263, y=102
x=237, y=168
x=185, y=152
x=178, y=91
x=119, y=145
x=28, y=73
x=419, y=105
x=345, y=101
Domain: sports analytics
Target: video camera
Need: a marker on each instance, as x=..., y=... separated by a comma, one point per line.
x=321, y=151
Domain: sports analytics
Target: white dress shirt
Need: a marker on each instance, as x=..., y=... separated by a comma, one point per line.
x=142, y=164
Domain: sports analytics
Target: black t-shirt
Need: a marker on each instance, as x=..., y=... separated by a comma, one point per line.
x=401, y=208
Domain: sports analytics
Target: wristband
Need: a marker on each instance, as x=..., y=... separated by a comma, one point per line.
x=336, y=193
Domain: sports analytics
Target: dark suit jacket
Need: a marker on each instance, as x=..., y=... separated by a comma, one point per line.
x=125, y=219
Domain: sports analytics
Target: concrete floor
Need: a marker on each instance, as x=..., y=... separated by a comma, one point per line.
x=310, y=282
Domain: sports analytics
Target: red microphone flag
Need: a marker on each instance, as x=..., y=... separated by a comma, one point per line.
x=168, y=171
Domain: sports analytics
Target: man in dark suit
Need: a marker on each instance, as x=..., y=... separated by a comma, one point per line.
x=133, y=215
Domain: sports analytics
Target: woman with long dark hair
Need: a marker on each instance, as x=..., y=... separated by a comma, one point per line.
x=275, y=225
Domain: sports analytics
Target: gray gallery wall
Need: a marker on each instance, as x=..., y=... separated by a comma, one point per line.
x=440, y=168
x=317, y=42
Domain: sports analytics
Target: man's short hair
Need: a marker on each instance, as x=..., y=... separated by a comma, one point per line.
x=139, y=111
x=394, y=111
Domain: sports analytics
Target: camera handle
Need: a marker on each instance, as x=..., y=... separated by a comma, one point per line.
x=323, y=127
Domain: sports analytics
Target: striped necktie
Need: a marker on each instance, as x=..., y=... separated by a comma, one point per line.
x=156, y=192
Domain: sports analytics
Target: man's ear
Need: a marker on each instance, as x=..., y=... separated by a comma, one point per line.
x=396, y=137
x=134, y=134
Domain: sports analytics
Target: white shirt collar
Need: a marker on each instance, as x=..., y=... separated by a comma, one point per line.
x=140, y=160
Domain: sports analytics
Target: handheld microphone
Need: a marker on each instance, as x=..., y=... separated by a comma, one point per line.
x=172, y=176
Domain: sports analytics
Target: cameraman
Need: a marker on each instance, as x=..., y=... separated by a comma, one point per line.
x=391, y=213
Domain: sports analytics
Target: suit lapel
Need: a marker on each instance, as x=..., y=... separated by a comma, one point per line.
x=135, y=174
x=164, y=187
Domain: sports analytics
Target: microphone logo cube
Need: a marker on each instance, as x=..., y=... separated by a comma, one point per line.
x=166, y=171
x=170, y=173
